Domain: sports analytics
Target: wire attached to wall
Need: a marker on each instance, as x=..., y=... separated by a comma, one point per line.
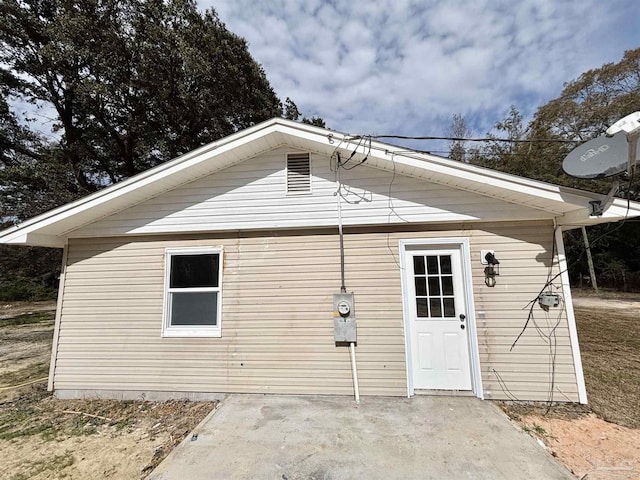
x=548, y=332
x=365, y=141
x=550, y=338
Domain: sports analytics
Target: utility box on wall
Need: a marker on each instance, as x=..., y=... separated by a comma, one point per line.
x=344, y=318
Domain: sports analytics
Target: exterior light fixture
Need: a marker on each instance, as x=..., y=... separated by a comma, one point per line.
x=492, y=269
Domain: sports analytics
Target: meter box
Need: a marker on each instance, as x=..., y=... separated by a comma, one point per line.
x=344, y=318
x=547, y=300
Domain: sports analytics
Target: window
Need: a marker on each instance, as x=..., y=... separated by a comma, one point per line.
x=193, y=293
x=298, y=173
x=433, y=279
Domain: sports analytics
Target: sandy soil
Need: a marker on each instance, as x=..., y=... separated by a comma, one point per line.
x=590, y=447
x=40, y=441
x=600, y=441
x=8, y=310
x=43, y=438
x=606, y=303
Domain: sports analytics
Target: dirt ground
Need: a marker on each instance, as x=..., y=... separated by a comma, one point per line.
x=600, y=441
x=44, y=438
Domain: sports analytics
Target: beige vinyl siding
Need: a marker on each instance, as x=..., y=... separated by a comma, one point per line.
x=277, y=327
x=253, y=195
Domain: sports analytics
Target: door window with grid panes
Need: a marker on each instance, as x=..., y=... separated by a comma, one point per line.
x=433, y=278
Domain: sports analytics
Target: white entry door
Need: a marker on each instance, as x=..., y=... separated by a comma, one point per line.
x=438, y=330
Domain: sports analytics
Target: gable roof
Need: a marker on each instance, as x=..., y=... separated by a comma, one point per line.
x=570, y=207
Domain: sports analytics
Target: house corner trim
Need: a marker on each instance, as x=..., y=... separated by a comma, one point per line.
x=56, y=329
x=571, y=319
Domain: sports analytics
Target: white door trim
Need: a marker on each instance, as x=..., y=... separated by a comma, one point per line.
x=465, y=254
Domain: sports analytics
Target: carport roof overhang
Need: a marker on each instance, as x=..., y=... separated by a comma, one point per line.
x=568, y=207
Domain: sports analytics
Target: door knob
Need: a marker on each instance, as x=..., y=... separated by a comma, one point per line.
x=462, y=317
x=461, y=327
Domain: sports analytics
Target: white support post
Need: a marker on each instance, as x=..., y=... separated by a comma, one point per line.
x=571, y=319
x=592, y=270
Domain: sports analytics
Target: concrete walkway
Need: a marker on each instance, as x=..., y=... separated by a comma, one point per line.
x=331, y=438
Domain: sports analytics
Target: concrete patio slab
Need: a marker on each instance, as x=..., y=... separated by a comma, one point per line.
x=331, y=438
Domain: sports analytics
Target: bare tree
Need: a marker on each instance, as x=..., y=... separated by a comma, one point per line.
x=457, y=131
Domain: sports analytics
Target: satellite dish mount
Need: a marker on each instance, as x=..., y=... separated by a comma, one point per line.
x=630, y=125
x=608, y=155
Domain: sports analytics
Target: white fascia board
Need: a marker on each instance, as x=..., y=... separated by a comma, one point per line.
x=175, y=172
x=495, y=181
x=431, y=166
x=33, y=239
x=617, y=211
x=137, y=182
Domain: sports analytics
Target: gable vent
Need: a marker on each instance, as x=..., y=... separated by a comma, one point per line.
x=298, y=173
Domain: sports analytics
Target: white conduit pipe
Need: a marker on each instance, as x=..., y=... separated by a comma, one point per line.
x=354, y=371
x=352, y=347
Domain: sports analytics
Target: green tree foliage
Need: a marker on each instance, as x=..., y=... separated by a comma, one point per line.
x=291, y=112
x=586, y=107
x=29, y=273
x=131, y=84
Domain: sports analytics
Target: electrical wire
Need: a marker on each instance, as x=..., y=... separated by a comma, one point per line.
x=503, y=386
x=486, y=139
x=548, y=335
x=551, y=338
x=551, y=279
x=392, y=211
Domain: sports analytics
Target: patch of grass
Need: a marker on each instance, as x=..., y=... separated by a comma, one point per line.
x=30, y=372
x=565, y=411
x=36, y=412
x=538, y=429
x=125, y=423
x=610, y=347
x=55, y=464
x=27, y=319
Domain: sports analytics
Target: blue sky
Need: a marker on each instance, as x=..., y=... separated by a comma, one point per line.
x=404, y=67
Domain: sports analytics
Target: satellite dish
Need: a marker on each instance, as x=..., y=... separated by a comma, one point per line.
x=599, y=158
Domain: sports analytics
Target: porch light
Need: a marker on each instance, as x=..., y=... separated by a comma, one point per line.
x=492, y=270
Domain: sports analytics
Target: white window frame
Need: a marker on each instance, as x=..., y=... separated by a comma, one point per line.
x=191, y=330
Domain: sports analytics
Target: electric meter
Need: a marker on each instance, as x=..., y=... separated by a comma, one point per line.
x=344, y=320
x=344, y=308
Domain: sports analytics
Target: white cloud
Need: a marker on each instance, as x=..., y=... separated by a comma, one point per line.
x=406, y=66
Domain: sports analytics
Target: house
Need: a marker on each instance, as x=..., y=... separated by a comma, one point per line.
x=215, y=272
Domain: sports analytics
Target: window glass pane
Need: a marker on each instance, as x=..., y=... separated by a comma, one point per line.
x=194, y=308
x=421, y=304
x=445, y=264
x=194, y=270
x=434, y=286
x=447, y=285
x=421, y=286
x=434, y=306
x=432, y=264
x=449, y=307
x=418, y=265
